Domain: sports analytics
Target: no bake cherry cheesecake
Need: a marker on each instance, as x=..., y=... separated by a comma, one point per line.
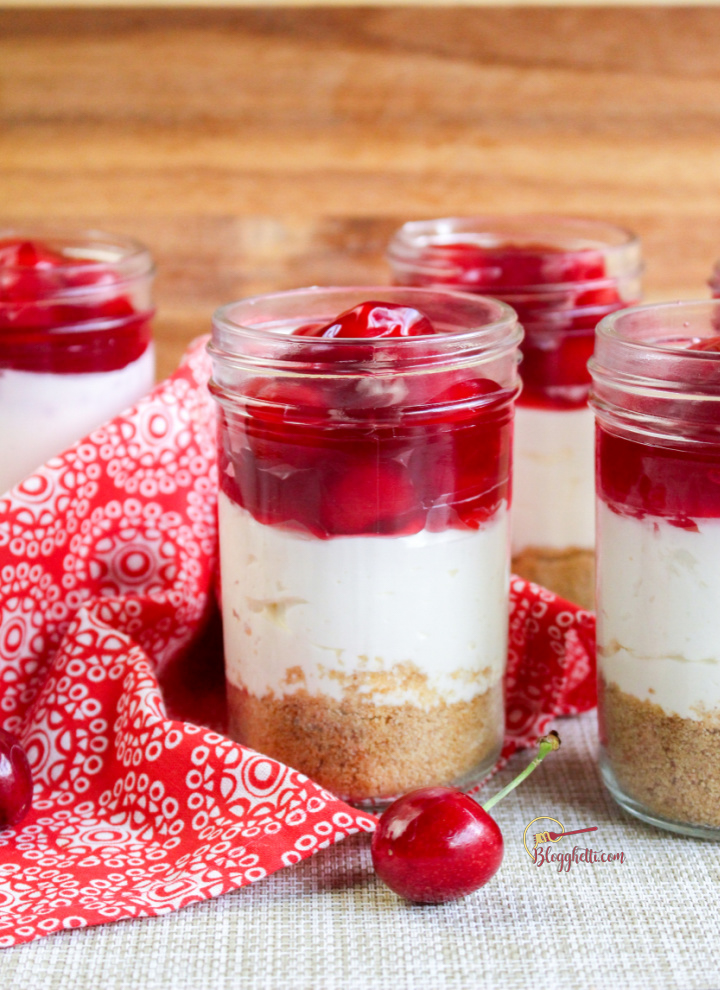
x=561, y=276
x=656, y=394
x=75, y=343
x=365, y=484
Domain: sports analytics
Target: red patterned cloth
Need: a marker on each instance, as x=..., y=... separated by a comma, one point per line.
x=111, y=674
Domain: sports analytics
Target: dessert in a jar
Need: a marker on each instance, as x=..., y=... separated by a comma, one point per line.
x=75, y=341
x=656, y=397
x=364, y=445
x=561, y=276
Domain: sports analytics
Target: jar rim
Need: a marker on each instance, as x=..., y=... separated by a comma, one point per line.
x=647, y=379
x=232, y=324
x=675, y=314
x=127, y=256
x=571, y=235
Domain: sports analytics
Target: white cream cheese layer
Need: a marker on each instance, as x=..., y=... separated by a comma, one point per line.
x=659, y=611
x=553, y=479
x=41, y=414
x=416, y=619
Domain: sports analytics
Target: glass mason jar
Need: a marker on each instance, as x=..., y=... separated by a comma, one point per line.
x=364, y=491
x=561, y=276
x=656, y=397
x=75, y=340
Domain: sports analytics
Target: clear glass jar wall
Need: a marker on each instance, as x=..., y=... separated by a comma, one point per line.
x=656, y=396
x=561, y=276
x=364, y=536
x=75, y=339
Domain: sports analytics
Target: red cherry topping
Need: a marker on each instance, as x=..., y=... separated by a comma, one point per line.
x=278, y=401
x=376, y=455
x=280, y=426
x=709, y=344
x=556, y=376
x=26, y=270
x=465, y=393
x=638, y=479
x=371, y=498
x=517, y=266
x=15, y=781
x=679, y=484
x=559, y=295
x=46, y=295
x=32, y=271
x=34, y=255
x=371, y=320
x=436, y=844
x=606, y=295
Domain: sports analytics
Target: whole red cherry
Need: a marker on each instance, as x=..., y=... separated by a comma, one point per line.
x=372, y=320
x=15, y=781
x=436, y=844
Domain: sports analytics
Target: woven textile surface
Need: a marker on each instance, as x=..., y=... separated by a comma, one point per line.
x=651, y=921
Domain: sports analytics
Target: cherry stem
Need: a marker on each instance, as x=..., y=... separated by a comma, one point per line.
x=547, y=744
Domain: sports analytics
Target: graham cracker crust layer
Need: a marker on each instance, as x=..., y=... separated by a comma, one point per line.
x=570, y=572
x=363, y=751
x=667, y=763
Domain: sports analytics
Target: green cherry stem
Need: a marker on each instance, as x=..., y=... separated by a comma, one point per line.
x=547, y=744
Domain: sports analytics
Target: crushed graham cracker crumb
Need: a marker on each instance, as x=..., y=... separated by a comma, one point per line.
x=667, y=763
x=364, y=751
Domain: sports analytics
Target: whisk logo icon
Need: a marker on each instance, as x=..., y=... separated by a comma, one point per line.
x=542, y=830
x=539, y=830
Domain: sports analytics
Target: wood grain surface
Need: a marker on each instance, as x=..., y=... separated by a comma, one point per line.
x=269, y=148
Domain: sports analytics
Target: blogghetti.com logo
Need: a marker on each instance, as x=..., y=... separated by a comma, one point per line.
x=543, y=834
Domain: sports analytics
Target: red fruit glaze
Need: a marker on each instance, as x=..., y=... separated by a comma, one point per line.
x=371, y=498
x=709, y=344
x=15, y=781
x=675, y=481
x=554, y=370
x=64, y=314
x=372, y=455
x=373, y=320
x=646, y=479
x=27, y=267
x=514, y=266
x=436, y=844
x=546, y=285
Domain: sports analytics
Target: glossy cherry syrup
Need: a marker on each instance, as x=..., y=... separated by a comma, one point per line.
x=515, y=266
x=373, y=320
x=709, y=344
x=677, y=482
x=65, y=314
x=548, y=287
x=427, y=451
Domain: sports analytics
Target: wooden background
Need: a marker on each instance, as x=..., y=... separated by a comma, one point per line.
x=264, y=148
